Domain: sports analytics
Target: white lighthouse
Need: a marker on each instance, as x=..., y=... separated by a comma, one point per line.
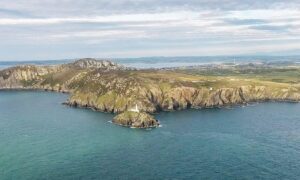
x=136, y=109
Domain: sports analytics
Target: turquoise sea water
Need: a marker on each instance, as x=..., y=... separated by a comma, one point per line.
x=42, y=139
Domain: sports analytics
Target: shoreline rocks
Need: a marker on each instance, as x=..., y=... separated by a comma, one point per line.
x=135, y=120
x=181, y=98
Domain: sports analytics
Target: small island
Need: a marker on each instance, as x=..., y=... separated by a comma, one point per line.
x=135, y=120
x=109, y=87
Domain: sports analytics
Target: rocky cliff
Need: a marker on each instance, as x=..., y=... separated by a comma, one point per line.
x=179, y=98
x=55, y=78
x=109, y=87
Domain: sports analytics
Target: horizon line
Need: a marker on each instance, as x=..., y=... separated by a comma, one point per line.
x=144, y=57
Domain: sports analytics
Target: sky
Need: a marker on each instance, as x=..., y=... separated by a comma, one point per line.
x=66, y=29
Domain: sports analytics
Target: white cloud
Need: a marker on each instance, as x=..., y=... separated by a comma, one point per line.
x=182, y=15
x=145, y=26
x=102, y=34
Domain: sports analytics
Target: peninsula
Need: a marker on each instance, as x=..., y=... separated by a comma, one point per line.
x=109, y=87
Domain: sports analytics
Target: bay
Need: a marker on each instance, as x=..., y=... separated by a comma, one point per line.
x=42, y=139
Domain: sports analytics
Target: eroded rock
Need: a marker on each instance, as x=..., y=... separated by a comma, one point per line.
x=136, y=120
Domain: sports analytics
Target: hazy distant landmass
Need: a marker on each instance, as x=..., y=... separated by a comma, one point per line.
x=165, y=62
x=110, y=87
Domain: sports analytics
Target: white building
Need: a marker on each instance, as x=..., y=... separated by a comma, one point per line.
x=136, y=109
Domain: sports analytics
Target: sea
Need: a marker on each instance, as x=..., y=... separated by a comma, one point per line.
x=167, y=62
x=40, y=138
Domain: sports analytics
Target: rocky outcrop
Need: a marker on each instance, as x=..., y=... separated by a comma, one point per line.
x=96, y=64
x=135, y=120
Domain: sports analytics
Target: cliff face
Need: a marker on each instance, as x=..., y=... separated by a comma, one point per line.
x=106, y=86
x=54, y=78
x=154, y=100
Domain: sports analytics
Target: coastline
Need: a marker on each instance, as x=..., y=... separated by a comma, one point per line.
x=105, y=86
x=66, y=103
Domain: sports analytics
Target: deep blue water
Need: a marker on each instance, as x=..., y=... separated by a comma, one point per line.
x=42, y=139
x=162, y=62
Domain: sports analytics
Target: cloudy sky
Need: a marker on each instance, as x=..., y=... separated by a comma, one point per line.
x=61, y=29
